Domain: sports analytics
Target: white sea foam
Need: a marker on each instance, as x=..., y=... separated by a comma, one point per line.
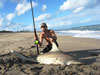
x=82, y=34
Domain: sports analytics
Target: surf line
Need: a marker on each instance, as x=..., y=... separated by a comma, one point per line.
x=36, y=41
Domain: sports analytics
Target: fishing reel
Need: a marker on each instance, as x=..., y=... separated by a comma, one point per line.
x=36, y=42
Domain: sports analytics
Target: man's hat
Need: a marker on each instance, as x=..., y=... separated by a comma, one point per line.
x=43, y=25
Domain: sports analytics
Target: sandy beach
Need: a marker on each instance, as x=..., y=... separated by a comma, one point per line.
x=85, y=49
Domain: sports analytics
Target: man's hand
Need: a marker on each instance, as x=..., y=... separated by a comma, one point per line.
x=51, y=39
x=35, y=37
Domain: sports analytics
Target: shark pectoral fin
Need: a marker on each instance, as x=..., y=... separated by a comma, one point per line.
x=62, y=67
x=74, y=63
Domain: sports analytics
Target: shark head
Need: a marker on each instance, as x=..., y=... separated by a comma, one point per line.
x=54, y=47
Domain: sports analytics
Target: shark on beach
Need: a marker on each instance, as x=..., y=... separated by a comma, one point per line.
x=54, y=56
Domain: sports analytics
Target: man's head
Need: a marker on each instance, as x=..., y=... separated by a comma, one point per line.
x=43, y=26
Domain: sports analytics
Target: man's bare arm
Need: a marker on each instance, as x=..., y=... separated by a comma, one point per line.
x=54, y=37
x=41, y=39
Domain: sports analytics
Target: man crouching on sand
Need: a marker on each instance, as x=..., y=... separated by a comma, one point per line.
x=49, y=36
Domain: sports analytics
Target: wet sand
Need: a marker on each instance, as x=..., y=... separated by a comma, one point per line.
x=84, y=49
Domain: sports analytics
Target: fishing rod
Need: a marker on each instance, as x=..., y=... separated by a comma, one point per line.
x=36, y=41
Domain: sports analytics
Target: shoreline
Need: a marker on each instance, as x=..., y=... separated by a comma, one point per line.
x=81, y=34
x=67, y=43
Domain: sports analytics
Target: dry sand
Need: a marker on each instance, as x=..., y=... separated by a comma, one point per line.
x=86, y=50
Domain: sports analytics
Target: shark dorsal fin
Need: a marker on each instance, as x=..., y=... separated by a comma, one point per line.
x=54, y=47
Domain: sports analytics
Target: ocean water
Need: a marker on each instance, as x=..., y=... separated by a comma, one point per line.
x=81, y=34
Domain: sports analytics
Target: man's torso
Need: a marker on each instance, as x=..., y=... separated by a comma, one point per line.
x=47, y=36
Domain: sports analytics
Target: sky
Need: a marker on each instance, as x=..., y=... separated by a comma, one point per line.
x=16, y=15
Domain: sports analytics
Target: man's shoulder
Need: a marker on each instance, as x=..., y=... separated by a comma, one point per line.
x=42, y=33
x=51, y=30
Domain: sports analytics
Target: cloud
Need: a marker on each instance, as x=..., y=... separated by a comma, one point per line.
x=81, y=12
x=2, y=3
x=78, y=9
x=78, y=5
x=27, y=28
x=1, y=21
x=13, y=26
x=87, y=17
x=17, y=1
x=42, y=17
x=72, y=4
x=59, y=23
x=92, y=4
x=43, y=8
x=23, y=7
x=85, y=20
x=10, y=16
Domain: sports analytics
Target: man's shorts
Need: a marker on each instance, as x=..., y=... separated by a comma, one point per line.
x=47, y=48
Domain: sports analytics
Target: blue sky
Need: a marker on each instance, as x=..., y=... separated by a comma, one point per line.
x=58, y=14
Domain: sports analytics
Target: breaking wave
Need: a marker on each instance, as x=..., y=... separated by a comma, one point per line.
x=82, y=34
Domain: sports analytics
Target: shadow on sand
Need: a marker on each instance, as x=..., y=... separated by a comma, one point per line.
x=87, y=56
